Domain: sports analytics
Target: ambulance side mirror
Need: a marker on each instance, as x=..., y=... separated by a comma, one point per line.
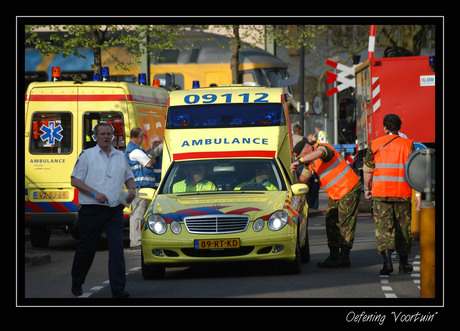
x=146, y=193
x=299, y=189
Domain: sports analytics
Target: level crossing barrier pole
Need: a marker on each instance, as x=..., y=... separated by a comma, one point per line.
x=427, y=235
x=427, y=250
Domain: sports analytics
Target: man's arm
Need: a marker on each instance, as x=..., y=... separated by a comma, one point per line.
x=130, y=185
x=82, y=187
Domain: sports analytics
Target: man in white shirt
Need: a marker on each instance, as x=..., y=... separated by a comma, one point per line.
x=99, y=175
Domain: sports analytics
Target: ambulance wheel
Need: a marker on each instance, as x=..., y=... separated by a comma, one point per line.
x=292, y=268
x=151, y=272
x=39, y=236
x=305, y=251
x=75, y=230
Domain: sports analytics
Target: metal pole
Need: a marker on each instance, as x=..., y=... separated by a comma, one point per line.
x=302, y=89
x=427, y=236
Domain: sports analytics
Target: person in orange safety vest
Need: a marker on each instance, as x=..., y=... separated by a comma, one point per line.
x=342, y=186
x=384, y=171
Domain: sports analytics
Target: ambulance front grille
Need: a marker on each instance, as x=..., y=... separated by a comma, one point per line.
x=216, y=224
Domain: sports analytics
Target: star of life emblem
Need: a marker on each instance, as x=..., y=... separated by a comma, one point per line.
x=51, y=132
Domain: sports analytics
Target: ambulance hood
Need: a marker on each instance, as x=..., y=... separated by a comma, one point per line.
x=255, y=204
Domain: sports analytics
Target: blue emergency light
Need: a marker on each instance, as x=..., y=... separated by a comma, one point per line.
x=142, y=79
x=432, y=62
x=105, y=73
x=96, y=77
x=196, y=84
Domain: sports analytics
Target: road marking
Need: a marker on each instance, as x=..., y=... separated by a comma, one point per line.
x=387, y=290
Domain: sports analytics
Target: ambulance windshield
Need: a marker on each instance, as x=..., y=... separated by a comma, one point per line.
x=223, y=175
x=225, y=115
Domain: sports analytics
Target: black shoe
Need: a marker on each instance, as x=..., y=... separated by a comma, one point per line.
x=404, y=266
x=120, y=294
x=331, y=261
x=387, y=264
x=76, y=289
x=344, y=257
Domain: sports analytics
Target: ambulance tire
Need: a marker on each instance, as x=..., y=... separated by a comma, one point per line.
x=75, y=230
x=40, y=236
x=292, y=268
x=305, y=250
x=151, y=272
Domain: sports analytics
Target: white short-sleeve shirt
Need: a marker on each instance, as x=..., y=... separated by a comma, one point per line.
x=106, y=175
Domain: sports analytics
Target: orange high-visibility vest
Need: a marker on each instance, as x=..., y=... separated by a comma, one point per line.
x=335, y=176
x=389, y=179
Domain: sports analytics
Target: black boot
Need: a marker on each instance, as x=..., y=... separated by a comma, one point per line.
x=344, y=257
x=387, y=264
x=331, y=261
x=404, y=266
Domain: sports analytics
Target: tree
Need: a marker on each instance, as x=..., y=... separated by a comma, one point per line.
x=282, y=35
x=138, y=39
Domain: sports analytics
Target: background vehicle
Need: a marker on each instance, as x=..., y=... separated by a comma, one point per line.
x=59, y=121
x=401, y=85
x=207, y=61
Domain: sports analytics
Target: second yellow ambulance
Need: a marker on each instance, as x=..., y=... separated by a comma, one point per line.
x=226, y=193
x=59, y=121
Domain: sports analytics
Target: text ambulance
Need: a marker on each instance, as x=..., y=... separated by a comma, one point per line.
x=59, y=121
x=226, y=192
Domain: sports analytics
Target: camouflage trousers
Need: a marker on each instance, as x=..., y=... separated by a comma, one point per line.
x=392, y=226
x=341, y=218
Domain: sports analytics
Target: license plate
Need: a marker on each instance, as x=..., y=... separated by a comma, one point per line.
x=217, y=243
x=51, y=195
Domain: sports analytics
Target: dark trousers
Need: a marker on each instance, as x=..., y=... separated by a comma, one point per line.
x=93, y=219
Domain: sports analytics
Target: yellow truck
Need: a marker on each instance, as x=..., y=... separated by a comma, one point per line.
x=59, y=121
x=226, y=194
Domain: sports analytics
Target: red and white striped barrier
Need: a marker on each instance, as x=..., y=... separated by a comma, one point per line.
x=340, y=77
x=375, y=88
x=370, y=52
x=339, y=66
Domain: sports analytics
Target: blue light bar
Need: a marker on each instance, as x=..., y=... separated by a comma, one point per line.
x=96, y=77
x=196, y=84
x=142, y=79
x=105, y=72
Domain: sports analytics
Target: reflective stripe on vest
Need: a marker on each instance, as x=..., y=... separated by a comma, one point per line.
x=335, y=176
x=389, y=177
x=143, y=176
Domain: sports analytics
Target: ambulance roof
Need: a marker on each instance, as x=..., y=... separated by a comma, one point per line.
x=226, y=94
x=256, y=125
x=141, y=93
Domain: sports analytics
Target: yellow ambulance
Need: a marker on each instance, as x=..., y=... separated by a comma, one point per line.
x=226, y=194
x=59, y=121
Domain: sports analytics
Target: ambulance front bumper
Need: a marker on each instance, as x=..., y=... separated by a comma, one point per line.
x=183, y=252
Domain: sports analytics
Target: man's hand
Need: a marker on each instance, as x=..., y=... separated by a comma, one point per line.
x=101, y=197
x=131, y=195
x=367, y=194
x=294, y=166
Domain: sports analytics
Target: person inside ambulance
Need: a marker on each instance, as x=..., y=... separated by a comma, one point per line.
x=260, y=181
x=195, y=181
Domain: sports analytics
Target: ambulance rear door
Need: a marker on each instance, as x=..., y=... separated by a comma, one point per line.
x=50, y=153
x=97, y=103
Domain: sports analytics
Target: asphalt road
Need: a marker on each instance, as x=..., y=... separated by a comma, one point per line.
x=228, y=284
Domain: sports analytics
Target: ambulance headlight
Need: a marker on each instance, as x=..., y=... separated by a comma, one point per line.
x=157, y=224
x=175, y=227
x=258, y=224
x=277, y=220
